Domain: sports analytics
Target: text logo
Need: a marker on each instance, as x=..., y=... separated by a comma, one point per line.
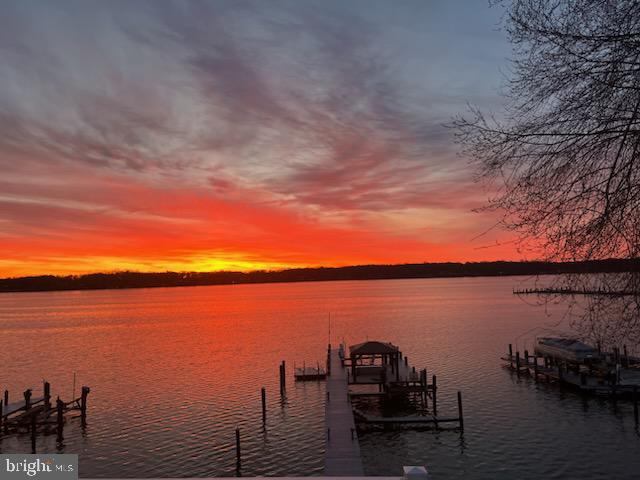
x=39, y=467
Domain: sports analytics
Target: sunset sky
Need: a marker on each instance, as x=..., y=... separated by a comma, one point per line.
x=242, y=135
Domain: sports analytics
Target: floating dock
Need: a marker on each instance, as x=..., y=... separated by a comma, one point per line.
x=309, y=374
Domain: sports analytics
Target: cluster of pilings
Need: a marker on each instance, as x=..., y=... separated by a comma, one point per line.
x=32, y=415
x=263, y=402
x=576, y=291
x=581, y=377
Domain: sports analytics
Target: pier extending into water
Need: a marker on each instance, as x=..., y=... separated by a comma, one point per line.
x=342, y=453
x=373, y=364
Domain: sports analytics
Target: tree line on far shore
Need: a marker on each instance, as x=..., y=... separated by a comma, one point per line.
x=128, y=279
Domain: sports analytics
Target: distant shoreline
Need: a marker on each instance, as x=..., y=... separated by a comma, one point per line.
x=126, y=280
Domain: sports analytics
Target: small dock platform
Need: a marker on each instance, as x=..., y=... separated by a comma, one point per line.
x=309, y=374
x=342, y=453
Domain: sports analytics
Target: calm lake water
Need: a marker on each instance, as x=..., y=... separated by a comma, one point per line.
x=172, y=372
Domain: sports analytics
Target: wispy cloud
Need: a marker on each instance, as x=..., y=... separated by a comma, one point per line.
x=235, y=123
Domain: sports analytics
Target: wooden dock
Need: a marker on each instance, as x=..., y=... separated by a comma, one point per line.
x=342, y=452
x=34, y=414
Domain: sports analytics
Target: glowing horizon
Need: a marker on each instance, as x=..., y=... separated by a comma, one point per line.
x=241, y=136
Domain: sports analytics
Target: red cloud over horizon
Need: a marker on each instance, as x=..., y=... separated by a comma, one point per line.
x=194, y=137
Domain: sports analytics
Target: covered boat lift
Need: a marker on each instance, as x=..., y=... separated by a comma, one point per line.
x=374, y=358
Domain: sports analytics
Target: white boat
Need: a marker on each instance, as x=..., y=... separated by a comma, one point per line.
x=568, y=349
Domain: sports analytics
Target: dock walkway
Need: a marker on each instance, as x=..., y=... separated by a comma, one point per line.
x=342, y=452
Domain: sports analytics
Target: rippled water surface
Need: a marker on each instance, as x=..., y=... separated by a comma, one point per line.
x=173, y=371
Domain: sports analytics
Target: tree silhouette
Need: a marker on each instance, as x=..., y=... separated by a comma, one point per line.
x=565, y=152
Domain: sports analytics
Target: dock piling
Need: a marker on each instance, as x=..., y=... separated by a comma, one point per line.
x=5, y=426
x=263, y=394
x=518, y=363
x=460, y=417
x=238, y=456
x=33, y=433
x=83, y=404
x=511, y=355
x=283, y=378
x=434, y=390
x=27, y=399
x=47, y=395
x=60, y=419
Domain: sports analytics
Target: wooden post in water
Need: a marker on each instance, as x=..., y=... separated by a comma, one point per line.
x=83, y=405
x=460, y=410
x=518, y=363
x=33, y=434
x=60, y=419
x=526, y=358
x=284, y=376
x=47, y=395
x=263, y=393
x=238, y=456
x=6, y=404
x=535, y=368
x=511, y=355
x=27, y=399
x=434, y=389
